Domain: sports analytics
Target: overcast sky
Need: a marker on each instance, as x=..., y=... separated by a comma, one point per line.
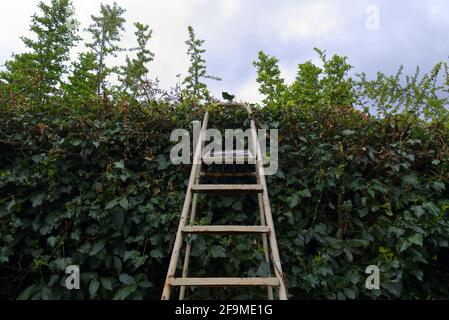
x=409, y=32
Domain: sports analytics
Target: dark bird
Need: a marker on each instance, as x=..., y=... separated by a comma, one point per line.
x=227, y=96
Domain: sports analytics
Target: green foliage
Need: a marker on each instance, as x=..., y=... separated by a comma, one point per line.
x=88, y=181
x=313, y=87
x=34, y=77
x=100, y=191
x=195, y=90
x=269, y=78
x=134, y=72
x=82, y=85
x=106, y=32
x=424, y=96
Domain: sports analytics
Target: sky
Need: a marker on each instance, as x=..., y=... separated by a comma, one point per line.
x=375, y=35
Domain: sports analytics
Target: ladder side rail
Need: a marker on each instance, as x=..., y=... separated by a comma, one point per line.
x=268, y=216
x=185, y=212
x=185, y=268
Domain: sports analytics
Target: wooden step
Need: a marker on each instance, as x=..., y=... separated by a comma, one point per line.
x=229, y=160
x=227, y=188
x=227, y=174
x=224, y=282
x=229, y=157
x=225, y=229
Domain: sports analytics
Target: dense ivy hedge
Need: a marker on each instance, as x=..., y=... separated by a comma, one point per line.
x=98, y=190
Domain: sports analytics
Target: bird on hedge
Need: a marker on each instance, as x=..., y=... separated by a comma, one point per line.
x=227, y=96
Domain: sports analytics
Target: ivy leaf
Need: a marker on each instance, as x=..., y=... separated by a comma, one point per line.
x=126, y=279
x=38, y=199
x=119, y=164
x=93, y=287
x=305, y=193
x=237, y=206
x=294, y=200
x=124, y=203
x=156, y=253
x=145, y=284
x=417, y=239
x=47, y=294
x=106, y=283
x=118, y=218
x=123, y=293
x=218, y=252
x=350, y=293
x=111, y=204
x=97, y=247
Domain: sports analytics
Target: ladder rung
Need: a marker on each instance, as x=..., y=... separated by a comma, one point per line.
x=229, y=160
x=226, y=229
x=227, y=188
x=227, y=174
x=224, y=282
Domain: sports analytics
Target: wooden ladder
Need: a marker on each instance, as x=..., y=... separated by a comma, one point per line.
x=266, y=227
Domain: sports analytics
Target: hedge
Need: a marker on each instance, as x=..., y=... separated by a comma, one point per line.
x=97, y=189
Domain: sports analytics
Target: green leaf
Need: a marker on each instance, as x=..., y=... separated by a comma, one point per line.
x=118, y=218
x=350, y=293
x=97, y=247
x=111, y=204
x=38, y=199
x=294, y=200
x=347, y=132
x=119, y=164
x=106, y=283
x=145, y=284
x=439, y=186
x=47, y=294
x=218, y=252
x=237, y=206
x=305, y=193
x=417, y=239
x=25, y=294
x=411, y=179
x=126, y=279
x=124, y=203
x=123, y=293
x=419, y=211
x=37, y=158
x=156, y=253
x=93, y=287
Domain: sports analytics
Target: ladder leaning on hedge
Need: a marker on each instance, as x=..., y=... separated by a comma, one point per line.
x=266, y=227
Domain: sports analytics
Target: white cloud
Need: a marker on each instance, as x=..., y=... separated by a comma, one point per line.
x=249, y=91
x=321, y=19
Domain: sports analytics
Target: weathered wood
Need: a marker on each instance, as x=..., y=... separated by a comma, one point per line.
x=228, y=160
x=227, y=188
x=227, y=174
x=185, y=213
x=226, y=229
x=268, y=217
x=224, y=282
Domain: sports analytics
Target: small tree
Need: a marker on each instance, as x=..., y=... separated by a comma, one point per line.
x=106, y=32
x=196, y=91
x=82, y=84
x=134, y=72
x=38, y=74
x=272, y=86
